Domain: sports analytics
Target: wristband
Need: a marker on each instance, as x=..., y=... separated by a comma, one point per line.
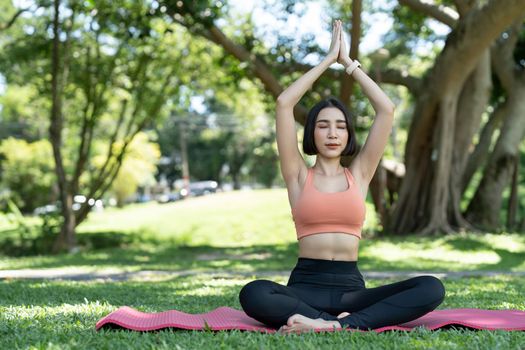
x=352, y=67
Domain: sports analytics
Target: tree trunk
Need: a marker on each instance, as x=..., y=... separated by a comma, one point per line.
x=485, y=206
x=478, y=157
x=66, y=238
x=407, y=212
x=484, y=209
x=424, y=197
x=513, y=198
x=522, y=225
x=377, y=191
x=347, y=82
x=472, y=102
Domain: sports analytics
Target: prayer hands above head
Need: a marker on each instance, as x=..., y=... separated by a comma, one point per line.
x=343, y=56
x=333, y=52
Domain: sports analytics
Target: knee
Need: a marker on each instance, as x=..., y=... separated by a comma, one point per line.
x=433, y=289
x=254, y=292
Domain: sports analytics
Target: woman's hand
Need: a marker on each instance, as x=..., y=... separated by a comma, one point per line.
x=343, y=56
x=333, y=52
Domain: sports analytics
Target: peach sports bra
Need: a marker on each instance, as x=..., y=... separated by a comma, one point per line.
x=322, y=212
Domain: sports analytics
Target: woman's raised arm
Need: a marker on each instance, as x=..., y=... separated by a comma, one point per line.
x=369, y=156
x=289, y=155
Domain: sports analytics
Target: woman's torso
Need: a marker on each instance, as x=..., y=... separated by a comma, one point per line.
x=333, y=245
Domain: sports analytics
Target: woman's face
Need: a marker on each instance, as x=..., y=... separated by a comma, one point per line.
x=330, y=133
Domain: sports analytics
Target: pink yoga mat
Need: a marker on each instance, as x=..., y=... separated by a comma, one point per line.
x=226, y=318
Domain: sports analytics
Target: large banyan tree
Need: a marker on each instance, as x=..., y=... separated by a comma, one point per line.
x=441, y=154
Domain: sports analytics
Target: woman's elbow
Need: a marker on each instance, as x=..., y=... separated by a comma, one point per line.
x=281, y=101
x=388, y=109
x=391, y=108
x=284, y=101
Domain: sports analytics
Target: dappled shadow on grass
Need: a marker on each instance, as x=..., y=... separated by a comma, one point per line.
x=101, y=240
x=66, y=312
x=193, y=294
x=492, y=293
x=163, y=256
x=131, y=252
x=33, y=244
x=443, y=253
x=202, y=293
x=508, y=259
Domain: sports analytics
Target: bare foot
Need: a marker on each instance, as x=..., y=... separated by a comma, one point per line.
x=299, y=323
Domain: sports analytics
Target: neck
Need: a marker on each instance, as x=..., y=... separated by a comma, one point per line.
x=328, y=167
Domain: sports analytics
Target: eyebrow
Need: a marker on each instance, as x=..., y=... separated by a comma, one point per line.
x=327, y=121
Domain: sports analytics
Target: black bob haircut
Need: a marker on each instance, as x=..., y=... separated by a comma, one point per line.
x=309, y=127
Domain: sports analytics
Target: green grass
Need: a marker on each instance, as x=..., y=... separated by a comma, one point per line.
x=63, y=315
x=227, y=240
x=251, y=231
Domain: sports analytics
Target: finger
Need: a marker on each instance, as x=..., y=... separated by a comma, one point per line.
x=288, y=330
x=334, y=31
x=291, y=330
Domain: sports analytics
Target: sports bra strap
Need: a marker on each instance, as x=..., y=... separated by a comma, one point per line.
x=309, y=177
x=350, y=176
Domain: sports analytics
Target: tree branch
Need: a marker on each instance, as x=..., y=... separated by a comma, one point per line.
x=13, y=19
x=464, y=6
x=397, y=77
x=388, y=76
x=261, y=70
x=474, y=33
x=444, y=14
x=347, y=83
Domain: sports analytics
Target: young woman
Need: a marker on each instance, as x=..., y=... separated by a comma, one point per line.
x=326, y=289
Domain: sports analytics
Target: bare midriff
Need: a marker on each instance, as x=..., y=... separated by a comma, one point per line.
x=329, y=246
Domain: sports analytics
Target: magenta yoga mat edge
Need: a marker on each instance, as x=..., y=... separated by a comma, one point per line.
x=226, y=318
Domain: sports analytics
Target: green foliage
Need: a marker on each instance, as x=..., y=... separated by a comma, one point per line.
x=27, y=236
x=28, y=172
x=264, y=162
x=410, y=30
x=207, y=154
x=199, y=13
x=138, y=168
x=23, y=114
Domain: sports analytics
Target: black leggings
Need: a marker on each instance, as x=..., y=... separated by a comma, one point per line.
x=324, y=288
